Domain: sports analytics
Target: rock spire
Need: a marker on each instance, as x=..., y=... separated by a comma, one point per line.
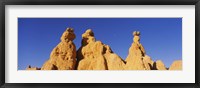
x=63, y=56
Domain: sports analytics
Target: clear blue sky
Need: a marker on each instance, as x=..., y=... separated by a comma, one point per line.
x=161, y=37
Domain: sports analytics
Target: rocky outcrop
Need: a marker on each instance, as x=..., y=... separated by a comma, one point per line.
x=94, y=55
x=137, y=58
x=114, y=62
x=176, y=65
x=63, y=56
x=159, y=65
x=32, y=68
x=134, y=60
x=148, y=62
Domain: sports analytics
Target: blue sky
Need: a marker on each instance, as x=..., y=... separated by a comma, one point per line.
x=161, y=37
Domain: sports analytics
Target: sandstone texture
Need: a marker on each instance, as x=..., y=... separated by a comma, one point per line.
x=159, y=65
x=148, y=62
x=63, y=56
x=94, y=55
x=176, y=65
x=134, y=60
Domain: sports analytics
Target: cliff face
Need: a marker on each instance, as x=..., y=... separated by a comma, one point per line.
x=63, y=56
x=94, y=55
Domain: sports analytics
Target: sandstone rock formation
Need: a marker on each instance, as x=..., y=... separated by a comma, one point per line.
x=63, y=56
x=148, y=62
x=159, y=65
x=176, y=65
x=94, y=55
x=32, y=68
x=114, y=62
x=134, y=60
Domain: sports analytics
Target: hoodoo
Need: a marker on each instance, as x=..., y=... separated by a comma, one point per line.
x=134, y=60
x=94, y=55
x=63, y=56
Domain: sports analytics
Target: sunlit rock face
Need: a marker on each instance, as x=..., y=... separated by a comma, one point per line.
x=63, y=56
x=159, y=65
x=94, y=55
x=148, y=62
x=137, y=58
x=134, y=60
x=176, y=65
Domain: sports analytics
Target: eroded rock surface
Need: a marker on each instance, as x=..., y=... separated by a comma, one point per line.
x=134, y=60
x=148, y=62
x=176, y=65
x=159, y=65
x=63, y=56
x=94, y=55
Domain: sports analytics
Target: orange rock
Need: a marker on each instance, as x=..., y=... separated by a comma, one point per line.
x=134, y=60
x=94, y=55
x=176, y=65
x=148, y=62
x=159, y=65
x=63, y=56
x=114, y=62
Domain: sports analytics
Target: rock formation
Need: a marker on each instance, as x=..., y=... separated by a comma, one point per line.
x=94, y=55
x=176, y=65
x=63, y=56
x=134, y=60
x=32, y=68
x=159, y=65
x=148, y=62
